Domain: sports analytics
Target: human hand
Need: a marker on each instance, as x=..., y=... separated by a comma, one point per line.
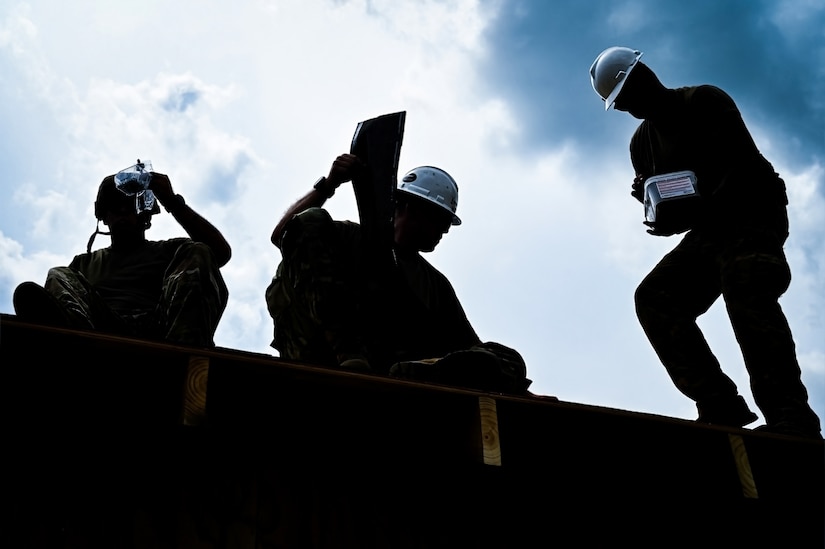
x=638, y=188
x=161, y=186
x=343, y=169
x=657, y=231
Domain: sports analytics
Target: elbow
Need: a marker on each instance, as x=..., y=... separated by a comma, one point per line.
x=224, y=257
x=221, y=254
x=276, y=237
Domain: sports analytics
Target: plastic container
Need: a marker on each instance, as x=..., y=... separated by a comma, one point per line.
x=134, y=181
x=672, y=201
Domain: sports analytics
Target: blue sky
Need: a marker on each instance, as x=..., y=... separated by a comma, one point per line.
x=245, y=105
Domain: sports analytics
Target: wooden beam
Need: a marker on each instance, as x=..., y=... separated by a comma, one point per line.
x=743, y=466
x=491, y=449
x=194, y=390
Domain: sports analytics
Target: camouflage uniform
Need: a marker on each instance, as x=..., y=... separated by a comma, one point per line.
x=313, y=284
x=328, y=299
x=168, y=289
x=735, y=250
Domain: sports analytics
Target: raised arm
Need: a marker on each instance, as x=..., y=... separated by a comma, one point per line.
x=195, y=225
x=343, y=169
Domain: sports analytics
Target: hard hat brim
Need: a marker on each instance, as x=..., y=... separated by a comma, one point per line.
x=621, y=76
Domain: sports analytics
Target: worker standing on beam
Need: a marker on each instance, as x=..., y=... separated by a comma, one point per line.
x=699, y=170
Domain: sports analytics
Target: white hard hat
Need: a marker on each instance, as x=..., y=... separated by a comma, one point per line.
x=434, y=185
x=609, y=72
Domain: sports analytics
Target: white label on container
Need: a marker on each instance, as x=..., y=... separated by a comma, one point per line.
x=676, y=186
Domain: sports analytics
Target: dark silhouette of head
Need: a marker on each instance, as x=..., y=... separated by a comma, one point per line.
x=126, y=216
x=642, y=93
x=111, y=200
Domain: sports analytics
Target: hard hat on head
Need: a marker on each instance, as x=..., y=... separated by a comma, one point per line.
x=609, y=72
x=434, y=185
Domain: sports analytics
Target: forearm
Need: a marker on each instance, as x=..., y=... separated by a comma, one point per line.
x=199, y=229
x=344, y=167
x=315, y=198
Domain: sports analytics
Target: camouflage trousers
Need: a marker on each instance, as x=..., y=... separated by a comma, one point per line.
x=315, y=296
x=192, y=300
x=749, y=270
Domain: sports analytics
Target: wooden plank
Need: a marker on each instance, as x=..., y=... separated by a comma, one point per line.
x=194, y=391
x=491, y=448
x=259, y=450
x=743, y=466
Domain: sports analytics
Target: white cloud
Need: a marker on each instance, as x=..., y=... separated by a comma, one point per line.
x=790, y=15
x=813, y=362
x=18, y=264
x=805, y=198
x=627, y=17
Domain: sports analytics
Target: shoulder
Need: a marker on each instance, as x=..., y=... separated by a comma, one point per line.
x=318, y=220
x=347, y=226
x=82, y=260
x=170, y=244
x=707, y=97
x=429, y=268
x=642, y=132
x=171, y=241
x=163, y=248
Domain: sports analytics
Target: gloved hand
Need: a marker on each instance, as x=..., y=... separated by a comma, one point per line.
x=658, y=231
x=638, y=188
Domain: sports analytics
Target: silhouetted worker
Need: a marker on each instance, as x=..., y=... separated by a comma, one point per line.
x=331, y=306
x=734, y=247
x=168, y=290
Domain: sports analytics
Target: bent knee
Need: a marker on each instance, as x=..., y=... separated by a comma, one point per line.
x=646, y=295
x=764, y=275
x=195, y=251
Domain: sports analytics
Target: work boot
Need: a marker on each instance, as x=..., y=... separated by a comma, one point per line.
x=416, y=370
x=350, y=352
x=731, y=412
x=354, y=362
x=791, y=429
x=32, y=303
x=473, y=369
